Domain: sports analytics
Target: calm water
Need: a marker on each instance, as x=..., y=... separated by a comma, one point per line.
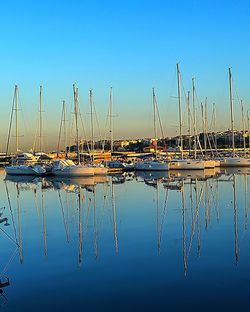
x=126, y=244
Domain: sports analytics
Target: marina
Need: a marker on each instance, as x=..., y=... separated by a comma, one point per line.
x=124, y=156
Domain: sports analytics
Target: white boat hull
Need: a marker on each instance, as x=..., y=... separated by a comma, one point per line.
x=189, y=164
x=74, y=171
x=235, y=162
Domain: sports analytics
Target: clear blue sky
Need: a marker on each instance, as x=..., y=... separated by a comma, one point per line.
x=132, y=45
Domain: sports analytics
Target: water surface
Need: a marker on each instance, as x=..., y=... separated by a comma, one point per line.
x=126, y=243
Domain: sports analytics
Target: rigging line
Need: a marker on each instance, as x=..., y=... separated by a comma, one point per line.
x=88, y=213
x=10, y=123
x=60, y=130
x=106, y=126
x=196, y=217
x=63, y=215
x=184, y=234
x=240, y=105
x=159, y=119
x=105, y=197
x=36, y=132
x=212, y=121
x=84, y=133
x=9, y=262
x=12, y=239
x=97, y=120
x=186, y=101
x=36, y=204
x=27, y=129
x=11, y=211
x=163, y=216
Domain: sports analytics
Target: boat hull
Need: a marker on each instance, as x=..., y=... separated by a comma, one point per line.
x=74, y=171
x=100, y=171
x=20, y=170
x=209, y=163
x=186, y=165
x=235, y=162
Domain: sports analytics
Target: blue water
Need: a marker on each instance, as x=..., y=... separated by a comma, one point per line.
x=129, y=246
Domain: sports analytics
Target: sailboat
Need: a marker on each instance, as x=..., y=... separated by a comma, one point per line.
x=67, y=167
x=19, y=166
x=233, y=161
x=185, y=164
x=155, y=164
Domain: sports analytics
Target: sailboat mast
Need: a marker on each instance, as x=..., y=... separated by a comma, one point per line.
x=154, y=120
x=40, y=118
x=110, y=119
x=248, y=130
x=11, y=121
x=214, y=126
x=243, y=126
x=231, y=108
x=114, y=216
x=194, y=117
x=189, y=122
x=179, y=102
x=91, y=121
x=205, y=126
x=60, y=130
x=76, y=121
x=16, y=115
x=203, y=123
x=64, y=128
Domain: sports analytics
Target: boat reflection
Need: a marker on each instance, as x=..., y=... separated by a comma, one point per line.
x=236, y=170
x=88, y=200
x=195, y=174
